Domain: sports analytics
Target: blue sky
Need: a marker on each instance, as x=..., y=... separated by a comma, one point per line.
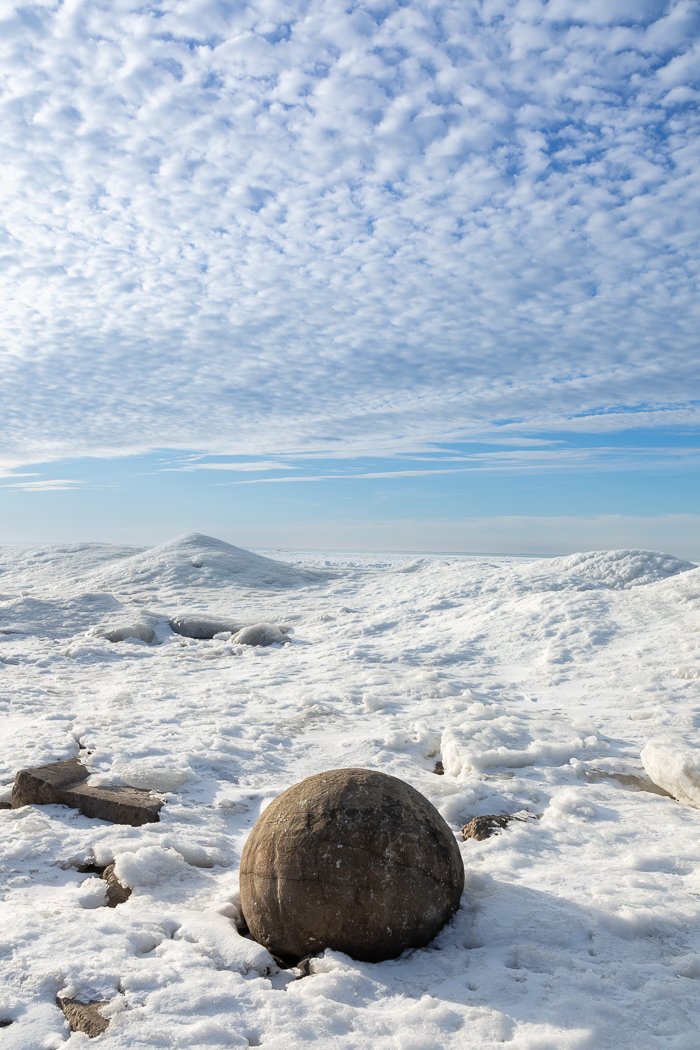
x=378, y=274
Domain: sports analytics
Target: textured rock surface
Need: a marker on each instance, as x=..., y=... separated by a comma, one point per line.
x=484, y=827
x=84, y=1017
x=117, y=892
x=63, y=783
x=353, y=860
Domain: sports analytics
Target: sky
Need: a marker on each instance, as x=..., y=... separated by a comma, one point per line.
x=366, y=275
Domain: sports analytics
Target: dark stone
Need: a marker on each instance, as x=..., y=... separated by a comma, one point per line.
x=63, y=783
x=350, y=859
x=201, y=627
x=84, y=1017
x=5, y=1022
x=117, y=892
x=439, y=768
x=484, y=827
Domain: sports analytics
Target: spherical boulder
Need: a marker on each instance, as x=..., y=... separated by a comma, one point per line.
x=350, y=859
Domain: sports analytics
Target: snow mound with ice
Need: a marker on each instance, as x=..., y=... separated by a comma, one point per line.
x=676, y=770
x=605, y=570
x=195, y=560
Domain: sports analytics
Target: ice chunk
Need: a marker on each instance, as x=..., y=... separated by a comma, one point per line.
x=675, y=769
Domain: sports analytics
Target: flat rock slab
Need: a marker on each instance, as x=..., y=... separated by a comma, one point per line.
x=84, y=1017
x=63, y=784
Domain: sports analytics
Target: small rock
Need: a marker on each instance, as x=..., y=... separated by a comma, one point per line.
x=5, y=1022
x=63, y=784
x=84, y=1017
x=117, y=892
x=439, y=768
x=260, y=634
x=484, y=827
x=201, y=627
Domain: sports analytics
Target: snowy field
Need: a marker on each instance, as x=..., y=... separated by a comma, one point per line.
x=536, y=684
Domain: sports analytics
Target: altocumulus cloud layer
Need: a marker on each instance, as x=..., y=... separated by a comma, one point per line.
x=311, y=225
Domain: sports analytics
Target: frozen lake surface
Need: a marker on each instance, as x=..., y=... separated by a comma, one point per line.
x=537, y=684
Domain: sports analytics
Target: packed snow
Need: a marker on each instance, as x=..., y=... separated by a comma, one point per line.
x=565, y=691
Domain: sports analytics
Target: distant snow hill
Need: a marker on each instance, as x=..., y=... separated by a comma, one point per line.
x=601, y=570
x=195, y=560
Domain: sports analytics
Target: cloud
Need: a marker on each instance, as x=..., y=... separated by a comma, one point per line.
x=289, y=226
x=241, y=467
x=51, y=485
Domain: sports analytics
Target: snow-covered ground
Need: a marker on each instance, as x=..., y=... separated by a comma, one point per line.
x=537, y=684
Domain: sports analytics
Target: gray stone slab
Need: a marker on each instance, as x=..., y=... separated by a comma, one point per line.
x=63, y=783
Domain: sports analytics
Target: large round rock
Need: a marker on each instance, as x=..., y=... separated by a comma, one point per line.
x=353, y=860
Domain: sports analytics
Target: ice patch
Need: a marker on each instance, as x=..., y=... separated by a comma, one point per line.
x=144, y=774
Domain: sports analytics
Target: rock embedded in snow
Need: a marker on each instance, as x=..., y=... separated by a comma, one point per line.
x=202, y=627
x=353, y=860
x=117, y=892
x=128, y=631
x=676, y=770
x=260, y=634
x=484, y=827
x=63, y=784
x=84, y=1017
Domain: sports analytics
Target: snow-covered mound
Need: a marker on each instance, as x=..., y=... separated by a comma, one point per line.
x=23, y=567
x=195, y=560
x=54, y=617
x=604, y=570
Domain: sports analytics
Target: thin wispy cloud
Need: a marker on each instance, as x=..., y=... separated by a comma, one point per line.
x=52, y=485
x=286, y=226
x=603, y=458
x=242, y=467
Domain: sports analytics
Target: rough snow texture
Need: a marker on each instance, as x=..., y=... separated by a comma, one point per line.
x=530, y=681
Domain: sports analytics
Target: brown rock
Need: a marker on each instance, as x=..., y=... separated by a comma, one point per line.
x=84, y=1017
x=350, y=859
x=62, y=783
x=117, y=892
x=484, y=827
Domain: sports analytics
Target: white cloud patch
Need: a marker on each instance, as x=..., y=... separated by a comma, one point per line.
x=50, y=485
x=301, y=225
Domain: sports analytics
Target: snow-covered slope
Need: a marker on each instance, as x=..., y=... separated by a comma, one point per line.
x=536, y=684
x=197, y=561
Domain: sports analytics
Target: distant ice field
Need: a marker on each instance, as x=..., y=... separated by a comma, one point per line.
x=565, y=691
